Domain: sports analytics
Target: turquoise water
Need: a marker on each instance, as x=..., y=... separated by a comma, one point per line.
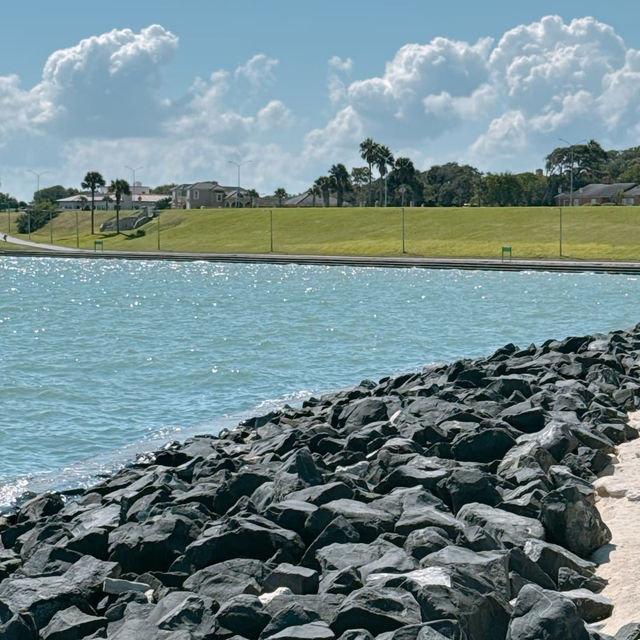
x=103, y=358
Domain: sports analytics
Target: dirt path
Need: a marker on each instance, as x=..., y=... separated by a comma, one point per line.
x=618, y=500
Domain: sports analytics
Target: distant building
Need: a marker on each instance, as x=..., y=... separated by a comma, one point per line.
x=105, y=201
x=618, y=192
x=209, y=195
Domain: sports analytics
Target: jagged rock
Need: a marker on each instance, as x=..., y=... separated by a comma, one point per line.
x=151, y=545
x=591, y=607
x=240, y=537
x=552, y=557
x=573, y=522
x=376, y=610
x=629, y=631
x=422, y=542
x=540, y=614
x=511, y=529
x=300, y=580
x=311, y=631
x=43, y=597
x=72, y=624
x=292, y=615
x=243, y=615
x=224, y=580
x=464, y=485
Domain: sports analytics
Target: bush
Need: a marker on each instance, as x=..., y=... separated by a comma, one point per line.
x=39, y=217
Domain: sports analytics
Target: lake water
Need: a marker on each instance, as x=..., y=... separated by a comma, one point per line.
x=100, y=359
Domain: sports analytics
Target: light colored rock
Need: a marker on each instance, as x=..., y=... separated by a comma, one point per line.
x=266, y=598
x=116, y=586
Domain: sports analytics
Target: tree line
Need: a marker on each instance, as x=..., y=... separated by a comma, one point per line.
x=389, y=181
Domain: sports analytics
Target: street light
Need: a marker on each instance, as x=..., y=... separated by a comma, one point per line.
x=37, y=175
x=133, y=184
x=570, y=185
x=270, y=229
x=239, y=164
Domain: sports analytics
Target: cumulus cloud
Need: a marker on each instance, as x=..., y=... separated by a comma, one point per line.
x=499, y=104
x=258, y=70
x=514, y=96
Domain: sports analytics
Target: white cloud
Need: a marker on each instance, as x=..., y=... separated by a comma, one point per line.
x=258, y=70
x=499, y=104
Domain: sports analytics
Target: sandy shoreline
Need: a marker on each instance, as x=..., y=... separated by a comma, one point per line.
x=618, y=501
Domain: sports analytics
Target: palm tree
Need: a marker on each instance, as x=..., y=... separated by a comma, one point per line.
x=280, y=193
x=341, y=181
x=254, y=195
x=92, y=181
x=119, y=188
x=324, y=184
x=369, y=153
x=314, y=191
x=384, y=157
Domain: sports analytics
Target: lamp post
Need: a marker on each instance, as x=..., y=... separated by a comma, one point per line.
x=403, y=232
x=270, y=229
x=133, y=184
x=238, y=164
x=37, y=175
x=570, y=184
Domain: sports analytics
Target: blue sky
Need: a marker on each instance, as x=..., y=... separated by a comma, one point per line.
x=290, y=88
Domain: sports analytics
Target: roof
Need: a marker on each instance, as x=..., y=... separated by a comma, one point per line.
x=597, y=190
x=633, y=192
x=151, y=197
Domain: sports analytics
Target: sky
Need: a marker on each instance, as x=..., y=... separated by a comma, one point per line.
x=182, y=91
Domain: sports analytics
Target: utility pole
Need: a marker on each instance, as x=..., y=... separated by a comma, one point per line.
x=133, y=184
x=238, y=164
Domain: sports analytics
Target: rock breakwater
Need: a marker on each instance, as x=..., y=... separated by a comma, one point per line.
x=455, y=502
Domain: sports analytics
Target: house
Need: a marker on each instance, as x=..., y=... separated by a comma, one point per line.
x=209, y=195
x=598, y=194
x=103, y=201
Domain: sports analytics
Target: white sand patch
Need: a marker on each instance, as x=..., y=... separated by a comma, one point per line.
x=618, y=501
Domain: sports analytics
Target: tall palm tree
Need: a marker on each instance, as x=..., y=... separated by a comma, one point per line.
x=369, y=153
x=314, y=191
x=384, y=157
x=92, y=181
x=254, y=195
x=341, y=181
x=119, y=188
x=324, y=184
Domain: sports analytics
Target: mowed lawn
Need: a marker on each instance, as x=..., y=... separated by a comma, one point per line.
x=607, y=232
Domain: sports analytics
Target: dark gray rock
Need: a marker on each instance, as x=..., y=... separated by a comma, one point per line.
x=466, y=485
x=552, y=557
x=151, y=545
x=300, y=580
x=72, y=624
x=629, y=631
x=376, y=610
x=511, y=529
x=291, y=615
x=318, y=630
x=482, y=445
x=240, y=537
x=573, y=521
x=591, y=607
x=540, y=614
x=243, y=615
x=422, y=542
x=224, y=580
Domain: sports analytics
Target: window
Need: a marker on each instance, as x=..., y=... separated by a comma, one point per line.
x=196, y=194
x=218, y=197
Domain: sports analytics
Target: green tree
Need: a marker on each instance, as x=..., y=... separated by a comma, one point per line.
x=584, y=162
x=359, y=177
x=534, y=188
x=324, y=184
x=53, y=194
x=501, y=190
x=369, y=153
x=340, y=182
x=7, y=202
x=404, y=174
x=281, y=194
x=253, y=195
x=92, y=181
x=384, y=158
x=119, y=188
x=451, y=184
x=163, y=189
x=314, y=191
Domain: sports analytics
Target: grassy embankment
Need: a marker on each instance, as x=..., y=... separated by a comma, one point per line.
x=608, y=232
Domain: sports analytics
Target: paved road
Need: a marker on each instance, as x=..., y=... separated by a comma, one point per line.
x=601, y=266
